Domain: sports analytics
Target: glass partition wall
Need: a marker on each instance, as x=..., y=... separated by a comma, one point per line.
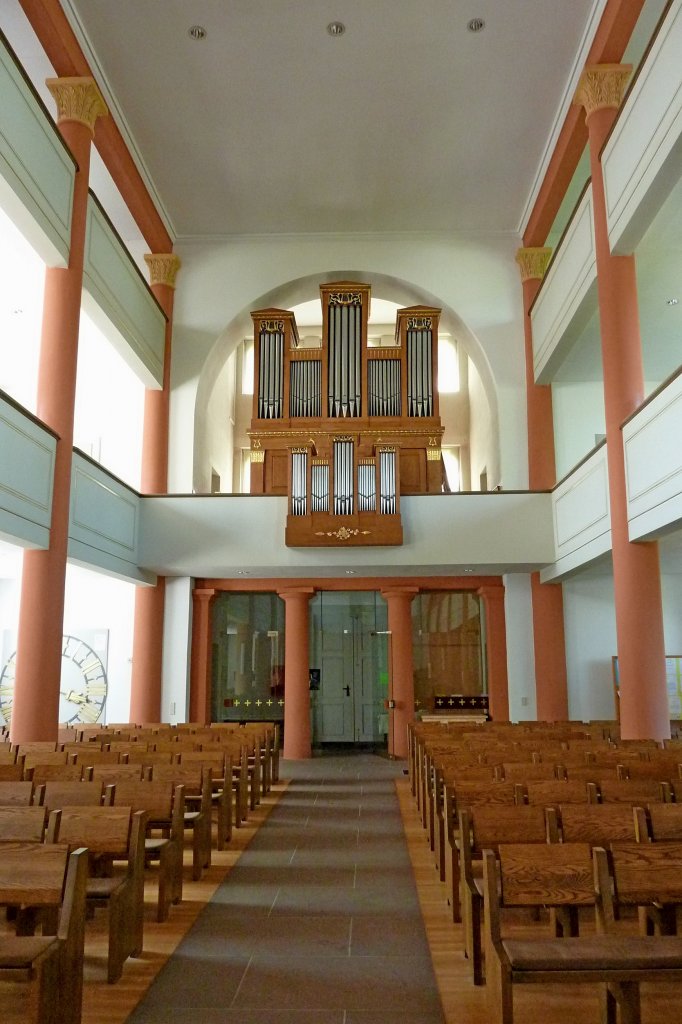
x=447, y=639
x=248, y=658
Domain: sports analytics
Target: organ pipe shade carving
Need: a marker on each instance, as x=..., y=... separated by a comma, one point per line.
x=419, y=373
x=305, y=388
x=319, y=486
x=299, y=476
x=367, y=486
x=387, y=482
x=271, y=375
x=344, y=359
x=343, y=477
x=383, y=387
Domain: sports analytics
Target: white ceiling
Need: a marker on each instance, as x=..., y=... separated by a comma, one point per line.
x=407, y=122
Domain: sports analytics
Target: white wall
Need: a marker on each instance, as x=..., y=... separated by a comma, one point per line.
x=671, y=586
x=219, y=431
x=97, y=602
x=590, y=626
x=177, y=628
x=520, y=654
x=578, y=410
x=482, y=448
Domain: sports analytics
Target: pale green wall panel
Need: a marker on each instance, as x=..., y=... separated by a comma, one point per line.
x=26, y=475
x=120, y=300
x=36, y=170
x=104, y=521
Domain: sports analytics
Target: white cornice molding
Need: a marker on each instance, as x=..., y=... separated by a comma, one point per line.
x=566, y=100
x=116, y=112
x=461, y=237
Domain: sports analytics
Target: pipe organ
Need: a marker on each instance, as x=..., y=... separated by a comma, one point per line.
x=346, y=428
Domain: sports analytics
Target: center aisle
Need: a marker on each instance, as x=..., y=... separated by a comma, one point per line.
x=318, y=922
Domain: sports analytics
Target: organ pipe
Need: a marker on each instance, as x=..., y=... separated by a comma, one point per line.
x=343, y=477
x=299, y=481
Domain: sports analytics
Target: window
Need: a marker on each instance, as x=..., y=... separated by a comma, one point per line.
x=448, y=366
x=451, y=464
x=247, y=368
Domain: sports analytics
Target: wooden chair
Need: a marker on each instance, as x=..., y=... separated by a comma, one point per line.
x=552, y=793
x=15, y=793
x=110, y=834
x=46, y=877
x=196, y=783
x=164, y=805
x=219, y=763
x=561, y=876
x=55, y=794
x=597, y=824
x=661, y=823
x=636, y=792
x=110, y=774
x=481, y=828
x=22, y=825
x=457, y=797
x=41, y=773
x=649, y=876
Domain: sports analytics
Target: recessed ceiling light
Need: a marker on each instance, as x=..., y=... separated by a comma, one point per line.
x=476, y=25
x=336, y=28
x=468, y=570
x=350, y=572
x=672, y=302
x=242, y=572
x=197, y=32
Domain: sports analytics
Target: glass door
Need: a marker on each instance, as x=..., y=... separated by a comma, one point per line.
x=349, y=668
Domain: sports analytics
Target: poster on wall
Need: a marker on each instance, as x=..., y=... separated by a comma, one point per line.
x=673, y=679
x=83, y=684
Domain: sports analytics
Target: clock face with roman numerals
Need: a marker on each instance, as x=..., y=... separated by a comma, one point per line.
x=82, y=689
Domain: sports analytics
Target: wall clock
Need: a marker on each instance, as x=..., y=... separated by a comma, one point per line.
x=83, y=686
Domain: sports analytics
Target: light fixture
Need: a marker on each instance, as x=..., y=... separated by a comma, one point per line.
x=672, y=302
x=350, y=572
x=476, y=25
x=242, y=572
x=197, y=32
x=336, y=28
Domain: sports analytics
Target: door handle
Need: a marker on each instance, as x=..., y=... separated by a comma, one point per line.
x=347, y=689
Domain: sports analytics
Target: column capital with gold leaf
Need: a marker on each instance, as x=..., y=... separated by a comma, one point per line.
x=533, y=262
x=78, y=99
x=163, y=268
x=602, y=87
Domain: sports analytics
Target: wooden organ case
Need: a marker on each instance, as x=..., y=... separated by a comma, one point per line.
x=344, y=429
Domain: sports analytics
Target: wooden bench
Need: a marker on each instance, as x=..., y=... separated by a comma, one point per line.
x=22, y=824
x=565, y=875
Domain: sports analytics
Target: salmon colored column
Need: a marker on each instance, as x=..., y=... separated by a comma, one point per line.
x=41, y=614
x=200, y=668
x=551, y=685
x=496, y=652
x=401, y=667
x=636, y=574
x=297, y=734
x=145, y=692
